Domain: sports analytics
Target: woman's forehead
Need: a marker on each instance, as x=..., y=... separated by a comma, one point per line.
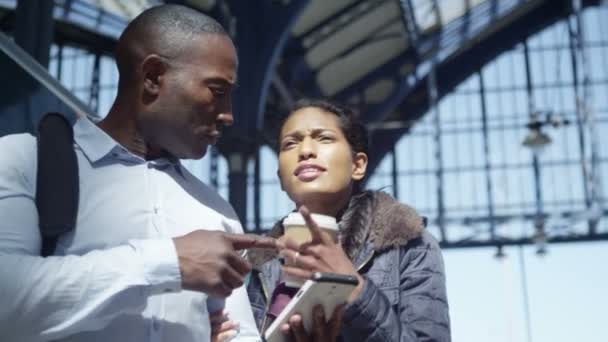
x=309, y=118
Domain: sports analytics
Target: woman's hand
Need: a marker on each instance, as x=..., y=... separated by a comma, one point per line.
x=321, y=330
x=322, y=254
x=222, y=329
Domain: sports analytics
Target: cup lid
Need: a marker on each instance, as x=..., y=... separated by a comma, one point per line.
x=324, y=221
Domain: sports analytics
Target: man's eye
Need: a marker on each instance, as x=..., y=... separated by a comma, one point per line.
x=325, y=138
x=218, y=91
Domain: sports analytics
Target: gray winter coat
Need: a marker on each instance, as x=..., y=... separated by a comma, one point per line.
x=404, y=297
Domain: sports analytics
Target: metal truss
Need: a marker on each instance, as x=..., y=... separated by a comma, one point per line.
x=565, y=227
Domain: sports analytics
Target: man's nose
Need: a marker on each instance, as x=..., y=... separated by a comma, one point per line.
x=225, y=118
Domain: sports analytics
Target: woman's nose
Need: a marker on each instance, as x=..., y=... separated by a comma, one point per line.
x=307, y=149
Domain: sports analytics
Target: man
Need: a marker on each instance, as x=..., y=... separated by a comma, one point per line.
x=150, y=244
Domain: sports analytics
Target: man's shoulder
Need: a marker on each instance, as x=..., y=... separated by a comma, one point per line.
x=18, y=160
x=219, y=204
x=17, y=149
x=17, y=139
x=209, y=196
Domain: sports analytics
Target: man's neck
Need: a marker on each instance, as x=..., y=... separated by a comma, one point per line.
x=121, y=126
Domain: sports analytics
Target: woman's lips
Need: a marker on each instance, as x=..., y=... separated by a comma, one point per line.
x=307, y=172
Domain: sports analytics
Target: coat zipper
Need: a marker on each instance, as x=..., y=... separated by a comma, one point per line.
x=364, y=263
x=265, y=290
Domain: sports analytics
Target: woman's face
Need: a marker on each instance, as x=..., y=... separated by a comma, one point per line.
x=316, y=163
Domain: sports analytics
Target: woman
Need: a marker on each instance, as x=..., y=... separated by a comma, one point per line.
x=401, y=294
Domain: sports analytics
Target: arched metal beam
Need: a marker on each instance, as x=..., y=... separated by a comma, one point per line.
x=453, y=38
x=453, y=71
x=262, y=29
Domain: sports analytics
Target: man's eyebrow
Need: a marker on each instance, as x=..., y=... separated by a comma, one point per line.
x=222, y=81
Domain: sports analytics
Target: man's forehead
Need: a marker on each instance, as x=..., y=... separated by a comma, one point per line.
x=216, y=57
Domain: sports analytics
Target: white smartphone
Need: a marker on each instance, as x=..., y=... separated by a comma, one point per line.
x=327, y=289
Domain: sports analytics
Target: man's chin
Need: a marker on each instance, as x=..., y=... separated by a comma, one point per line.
x=193, y=154
x=197, y=155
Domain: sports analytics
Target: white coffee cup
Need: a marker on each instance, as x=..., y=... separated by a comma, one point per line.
x=297, y=230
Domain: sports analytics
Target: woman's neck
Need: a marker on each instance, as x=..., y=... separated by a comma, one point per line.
x=327, y=205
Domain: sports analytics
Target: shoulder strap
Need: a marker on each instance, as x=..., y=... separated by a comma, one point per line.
x=56, y=180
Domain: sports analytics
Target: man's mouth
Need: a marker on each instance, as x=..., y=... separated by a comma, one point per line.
x=212, y=137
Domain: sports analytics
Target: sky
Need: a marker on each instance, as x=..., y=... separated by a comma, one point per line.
x=566, y=291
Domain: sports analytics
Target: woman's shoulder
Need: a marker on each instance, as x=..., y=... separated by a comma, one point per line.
x=425, y=241
x=394, y=224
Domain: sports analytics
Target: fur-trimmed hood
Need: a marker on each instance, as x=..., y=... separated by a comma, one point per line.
x=370, y=216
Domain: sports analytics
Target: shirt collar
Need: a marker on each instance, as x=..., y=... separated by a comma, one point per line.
x=92, y=140
x=97, y=144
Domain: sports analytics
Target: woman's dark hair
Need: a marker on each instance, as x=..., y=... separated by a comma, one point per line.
x=354, y=131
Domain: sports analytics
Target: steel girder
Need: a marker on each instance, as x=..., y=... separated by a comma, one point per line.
x=412, y=96
x=79, y=23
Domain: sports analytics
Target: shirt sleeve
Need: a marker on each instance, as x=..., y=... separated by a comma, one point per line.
x=238, y=305
x=54, y=297
x=239, y=310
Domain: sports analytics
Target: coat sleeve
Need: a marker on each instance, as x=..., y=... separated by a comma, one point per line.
x=421, y=313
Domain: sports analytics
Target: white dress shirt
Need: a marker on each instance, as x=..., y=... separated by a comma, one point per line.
x=116, y=276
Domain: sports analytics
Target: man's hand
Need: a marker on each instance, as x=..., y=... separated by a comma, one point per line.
x=209, y=260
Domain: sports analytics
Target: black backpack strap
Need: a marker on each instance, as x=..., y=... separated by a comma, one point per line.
x=56, y=180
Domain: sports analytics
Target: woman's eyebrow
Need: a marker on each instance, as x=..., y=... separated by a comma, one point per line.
x=293, y=134
x=314, y=132
x=322, y=129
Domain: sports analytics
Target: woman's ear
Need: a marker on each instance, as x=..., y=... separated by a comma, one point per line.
x=359, y=166
x=280, y=180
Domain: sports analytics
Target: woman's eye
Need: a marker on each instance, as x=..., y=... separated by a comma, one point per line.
x=288, y=144
x=326, y=138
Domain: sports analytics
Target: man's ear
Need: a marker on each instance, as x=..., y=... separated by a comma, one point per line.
x=359, y=166
x=153, y=69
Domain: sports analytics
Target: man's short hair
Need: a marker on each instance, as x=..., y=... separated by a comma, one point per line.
x=164, y=30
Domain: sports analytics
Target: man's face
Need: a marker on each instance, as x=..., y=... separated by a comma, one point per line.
x=192, y=99
x=315, y=159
